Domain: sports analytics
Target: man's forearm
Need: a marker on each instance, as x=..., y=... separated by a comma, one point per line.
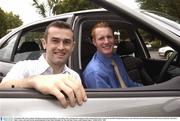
x=21, y=83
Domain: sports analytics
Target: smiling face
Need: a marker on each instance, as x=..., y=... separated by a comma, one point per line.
x=59, y=45
x=103, y=39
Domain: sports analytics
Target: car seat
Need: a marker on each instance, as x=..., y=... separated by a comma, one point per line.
x=28, y=51
x=28, y=47
x=133, y=65
x=87, y=52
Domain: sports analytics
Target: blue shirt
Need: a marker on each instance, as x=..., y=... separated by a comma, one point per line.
x=99, y=73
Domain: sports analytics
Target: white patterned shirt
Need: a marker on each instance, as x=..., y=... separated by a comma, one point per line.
x=28, y=68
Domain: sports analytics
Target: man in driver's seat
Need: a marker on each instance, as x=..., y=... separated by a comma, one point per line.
x=106, y=69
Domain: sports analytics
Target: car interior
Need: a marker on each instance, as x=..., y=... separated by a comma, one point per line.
x=133, y=65
x=29, y=50
x=124, y=47
x=138, y=62
x=29, y=46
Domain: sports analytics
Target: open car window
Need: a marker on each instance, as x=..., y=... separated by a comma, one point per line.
x=147, y=72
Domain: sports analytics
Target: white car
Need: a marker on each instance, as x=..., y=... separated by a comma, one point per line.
x=165, y=51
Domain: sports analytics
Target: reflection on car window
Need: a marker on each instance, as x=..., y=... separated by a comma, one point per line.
x=7, y=48
x=157, y=48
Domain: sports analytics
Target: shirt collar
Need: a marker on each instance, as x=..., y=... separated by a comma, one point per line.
x=65, y=70
x=46, y=68
x=104, y=59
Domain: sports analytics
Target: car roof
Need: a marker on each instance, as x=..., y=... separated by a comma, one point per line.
x=51, y=18
x=136, y=17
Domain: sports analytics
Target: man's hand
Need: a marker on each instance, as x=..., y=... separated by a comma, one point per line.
x=58, y=85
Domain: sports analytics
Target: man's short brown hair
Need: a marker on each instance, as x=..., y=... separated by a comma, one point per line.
x=58, y=24
x=99, y=25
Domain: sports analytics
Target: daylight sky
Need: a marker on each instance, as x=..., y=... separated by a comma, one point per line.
x=28, y=13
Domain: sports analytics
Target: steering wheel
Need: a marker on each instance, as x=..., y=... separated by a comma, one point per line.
x=166, y=65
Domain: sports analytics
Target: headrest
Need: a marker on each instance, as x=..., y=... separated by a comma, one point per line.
x=125, y=48
x=29, y=46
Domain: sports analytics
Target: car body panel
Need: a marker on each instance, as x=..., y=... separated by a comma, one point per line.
x=49, y=107
x=153, y=106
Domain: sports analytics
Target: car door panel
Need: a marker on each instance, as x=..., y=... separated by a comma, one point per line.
x=29, y=103
x=152, y=106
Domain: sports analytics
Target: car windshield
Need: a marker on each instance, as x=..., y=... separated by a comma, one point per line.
x=169, y=22
x=155, y=18
x=164, y=15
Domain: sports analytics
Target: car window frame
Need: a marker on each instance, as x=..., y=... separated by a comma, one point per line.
x=76, y=65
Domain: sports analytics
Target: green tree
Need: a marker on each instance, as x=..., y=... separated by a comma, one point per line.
x=13, y=20
x=170, y=7
x=8, y=21
x=54, y=7
x=40, y=8
x=3, y=27
x=75, y=5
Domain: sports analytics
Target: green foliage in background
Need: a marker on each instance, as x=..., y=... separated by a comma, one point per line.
x=54, y=7
x=170, y=7
x=8, y=21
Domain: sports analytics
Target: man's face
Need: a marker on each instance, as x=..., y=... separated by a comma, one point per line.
x=59, y=45
x=104, y=40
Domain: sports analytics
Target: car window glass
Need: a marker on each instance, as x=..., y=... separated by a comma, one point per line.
x=29, y=45
x=7, y=48
x=157, y=48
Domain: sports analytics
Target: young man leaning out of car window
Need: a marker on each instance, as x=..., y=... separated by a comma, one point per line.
x=49, y=74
